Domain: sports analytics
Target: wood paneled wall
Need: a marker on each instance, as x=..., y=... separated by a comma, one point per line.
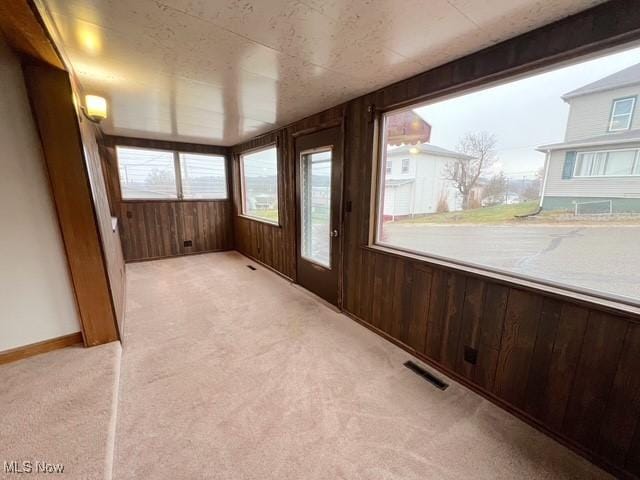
x=159, y=228
x=568, y=366
x=275, y=245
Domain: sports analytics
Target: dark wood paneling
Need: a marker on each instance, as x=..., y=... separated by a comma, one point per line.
x=566, y=365
x=77, y=204
x=599, y=359
x=158, y=228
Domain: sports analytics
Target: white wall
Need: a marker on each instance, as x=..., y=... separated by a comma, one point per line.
x=36, y=296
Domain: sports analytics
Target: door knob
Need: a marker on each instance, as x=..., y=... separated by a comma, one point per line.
x=334, y=233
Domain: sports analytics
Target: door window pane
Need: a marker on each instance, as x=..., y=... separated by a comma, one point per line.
x=146, y=174
x=260, y=184
x=315, y=205
x=203, y=176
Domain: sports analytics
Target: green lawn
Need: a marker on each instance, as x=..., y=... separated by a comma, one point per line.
x=496, y=214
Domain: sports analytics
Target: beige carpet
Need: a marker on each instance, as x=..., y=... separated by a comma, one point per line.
x=59, y=408
x=236, y=374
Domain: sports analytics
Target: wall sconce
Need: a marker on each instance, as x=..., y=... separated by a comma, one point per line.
x=95, y=109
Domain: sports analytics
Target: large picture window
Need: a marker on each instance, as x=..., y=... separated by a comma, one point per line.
x=149, y=174
x=523, y=178
x=259, y=181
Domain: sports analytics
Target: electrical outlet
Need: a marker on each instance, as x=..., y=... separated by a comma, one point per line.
x=470, y=355
x=188, y=243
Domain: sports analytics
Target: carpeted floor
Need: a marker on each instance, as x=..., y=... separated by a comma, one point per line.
x=230, y=373
x=60, y=408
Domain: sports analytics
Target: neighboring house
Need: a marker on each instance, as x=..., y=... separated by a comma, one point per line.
x=597, y=168
x=415, y=182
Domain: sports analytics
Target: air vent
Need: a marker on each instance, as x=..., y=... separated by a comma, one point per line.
x=432, y=379
x=188, y=243
x=251, y=267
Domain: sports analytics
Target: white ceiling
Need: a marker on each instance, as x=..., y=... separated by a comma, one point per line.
x=223, y=71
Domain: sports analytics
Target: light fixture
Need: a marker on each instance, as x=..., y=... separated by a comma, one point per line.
x=95, y=108
x=413, y=150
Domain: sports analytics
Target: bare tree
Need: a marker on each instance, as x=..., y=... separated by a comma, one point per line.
x=464, y=173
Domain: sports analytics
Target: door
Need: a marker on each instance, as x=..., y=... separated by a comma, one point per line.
x=319, y=215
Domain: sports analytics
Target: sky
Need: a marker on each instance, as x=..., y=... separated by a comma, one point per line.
x=522, y=114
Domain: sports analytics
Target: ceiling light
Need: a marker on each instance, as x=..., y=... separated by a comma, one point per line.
x=96, y=108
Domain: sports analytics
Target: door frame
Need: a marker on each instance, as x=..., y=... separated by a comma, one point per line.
x=340, y=127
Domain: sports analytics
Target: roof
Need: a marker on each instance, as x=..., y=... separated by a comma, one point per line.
x=428, y=148
x=628, y=76
x=617, y=138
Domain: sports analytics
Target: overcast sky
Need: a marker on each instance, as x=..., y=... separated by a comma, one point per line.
x=523, y=114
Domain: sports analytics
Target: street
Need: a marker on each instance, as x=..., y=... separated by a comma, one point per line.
x=601, y=258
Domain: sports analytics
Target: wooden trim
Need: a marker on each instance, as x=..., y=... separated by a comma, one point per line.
x=182, y=147
x=525, y=417
x=50, y=95
x=40, y=347
x=26, y=34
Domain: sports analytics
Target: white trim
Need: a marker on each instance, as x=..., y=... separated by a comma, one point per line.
x=547, y=163
x=629, y=115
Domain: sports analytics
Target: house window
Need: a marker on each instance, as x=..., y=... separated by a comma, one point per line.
x=259, y=184
x=150, y=174
x=621, y=114
x=389, y=166
x=487, y=191
x=614, y=163
x=203, y=177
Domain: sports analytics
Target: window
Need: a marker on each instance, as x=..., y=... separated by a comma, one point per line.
x=259, y=177
x=147, y=174
x=484, y=161
x=613, y=163
x=621, y=114
x=389, y=167
x=203, y=176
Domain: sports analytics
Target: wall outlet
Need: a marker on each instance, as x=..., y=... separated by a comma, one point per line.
x=188, y=243
x=470, y=355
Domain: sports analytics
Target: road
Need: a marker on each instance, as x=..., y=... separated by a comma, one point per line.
x=602, y=258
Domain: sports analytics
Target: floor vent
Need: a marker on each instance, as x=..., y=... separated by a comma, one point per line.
x=251, y=267
x=435, y=381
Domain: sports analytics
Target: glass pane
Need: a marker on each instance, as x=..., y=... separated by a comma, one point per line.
x=623, y=107
x=260, y=184
x=146, y=174
x=620, y=122
x=620, y=163
x=315, y=206
x=486, y=179
x=203, y=176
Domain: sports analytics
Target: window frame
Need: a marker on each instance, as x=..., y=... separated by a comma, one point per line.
x=407, y=170
x=376, y=199
x=612, y=115
x=241, y=211
x=634, y=167
x=177, y=173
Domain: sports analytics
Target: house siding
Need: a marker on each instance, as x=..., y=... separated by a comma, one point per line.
x=589, y=187
x=589, y=115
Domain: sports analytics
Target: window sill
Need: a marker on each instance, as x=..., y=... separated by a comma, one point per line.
x=260, y=220
x=564, y=292
x=173, y=200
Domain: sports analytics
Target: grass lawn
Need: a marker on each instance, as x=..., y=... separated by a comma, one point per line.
x=496, y=214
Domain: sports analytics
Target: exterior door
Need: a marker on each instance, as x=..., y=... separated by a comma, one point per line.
x=319, y=213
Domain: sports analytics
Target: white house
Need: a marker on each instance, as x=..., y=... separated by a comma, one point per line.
x=597, y=167
x=415, y=180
